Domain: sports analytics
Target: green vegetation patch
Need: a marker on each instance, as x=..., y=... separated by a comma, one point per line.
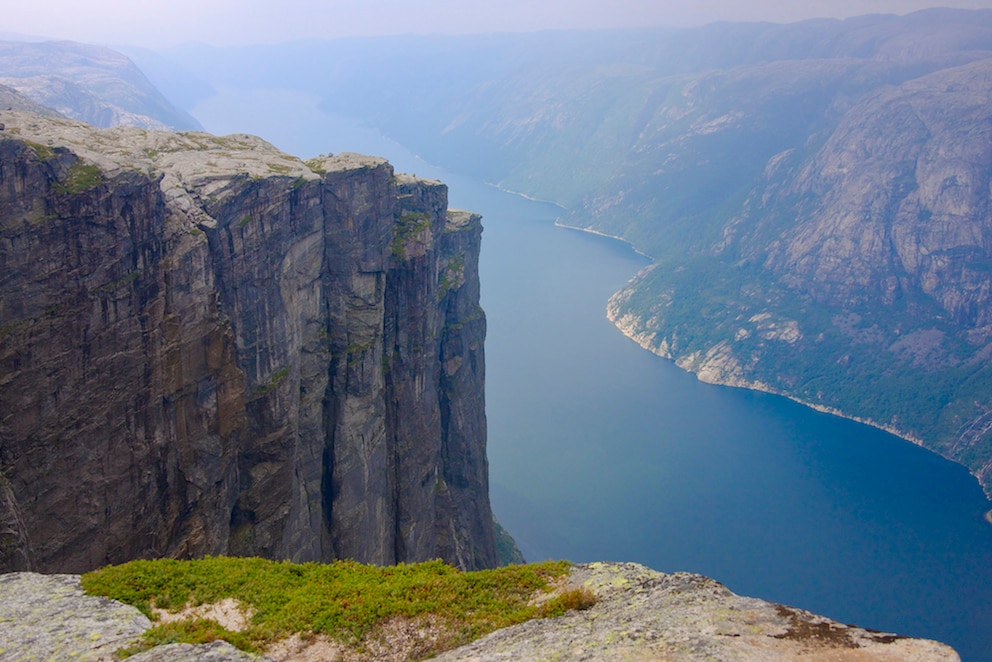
x=10, y=327
x=80, y=177
x=43, y=152
x=279, y=168
x=452, y=276
x=409, y=225
x=276, y=379
x=344, y=600
x=316, y=164
x=507, y=551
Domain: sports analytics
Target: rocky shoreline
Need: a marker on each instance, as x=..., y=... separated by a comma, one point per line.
x=628, y=323
x=714, y=373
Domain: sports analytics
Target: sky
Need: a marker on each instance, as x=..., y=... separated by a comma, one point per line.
x=159, y=23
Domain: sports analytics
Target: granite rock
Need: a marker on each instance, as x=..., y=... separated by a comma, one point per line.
x=642, y=614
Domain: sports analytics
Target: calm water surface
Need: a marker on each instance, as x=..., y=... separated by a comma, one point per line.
x=601, y=451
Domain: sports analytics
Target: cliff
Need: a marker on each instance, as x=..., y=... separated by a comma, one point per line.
x=210, y=347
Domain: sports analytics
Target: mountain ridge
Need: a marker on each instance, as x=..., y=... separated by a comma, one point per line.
x=89, y=83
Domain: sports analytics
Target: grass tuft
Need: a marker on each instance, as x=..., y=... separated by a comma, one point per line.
x=573, y=599
x=343, y=600
x=193, y=631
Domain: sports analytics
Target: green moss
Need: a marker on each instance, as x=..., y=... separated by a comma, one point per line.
x=193, y=631
x=356, y=352
x=80, y=177
x=356, y=348
x=41, y=219
x=245, y=220
x=316, y=165
x=43, y=152
x=343, y=600
x=452, y=272
x=408, y=225
x=276, y=379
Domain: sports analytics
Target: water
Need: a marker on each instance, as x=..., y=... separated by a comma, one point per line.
x=601, y=451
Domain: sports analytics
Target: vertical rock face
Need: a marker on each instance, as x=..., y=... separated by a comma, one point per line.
x=209, y=347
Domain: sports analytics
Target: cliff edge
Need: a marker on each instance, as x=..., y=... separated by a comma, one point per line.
x=210, y=347
x=640, y=614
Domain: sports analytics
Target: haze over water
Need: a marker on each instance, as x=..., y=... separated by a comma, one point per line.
x=601, y=451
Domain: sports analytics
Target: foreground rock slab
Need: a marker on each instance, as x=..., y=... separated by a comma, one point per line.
x=640, y=614
x=48, y=617
x=217, y=651
x=647, y=615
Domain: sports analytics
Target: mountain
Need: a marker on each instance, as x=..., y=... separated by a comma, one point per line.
x=11, y=99
x=855, y=274
x=815, y=195
x=210, y=347
x=89, y=83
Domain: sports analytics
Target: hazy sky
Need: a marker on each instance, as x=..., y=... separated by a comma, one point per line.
x=224, y=22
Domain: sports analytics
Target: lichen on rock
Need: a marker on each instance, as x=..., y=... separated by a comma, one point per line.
x=50, y=617
x=642, y=614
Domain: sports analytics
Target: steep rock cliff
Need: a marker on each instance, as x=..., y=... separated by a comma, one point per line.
x=210, y=347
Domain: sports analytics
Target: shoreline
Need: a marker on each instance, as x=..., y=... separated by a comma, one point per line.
x=526, y=197
x=559, y=224
x=763, y=388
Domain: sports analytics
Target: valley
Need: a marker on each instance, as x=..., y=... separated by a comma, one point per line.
x=814, y=201
x=826, y=176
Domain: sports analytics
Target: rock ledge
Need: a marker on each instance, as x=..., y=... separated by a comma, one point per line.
x=641, y=614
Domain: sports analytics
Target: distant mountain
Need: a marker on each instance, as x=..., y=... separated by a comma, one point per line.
x=89, y=83
x=11, y=99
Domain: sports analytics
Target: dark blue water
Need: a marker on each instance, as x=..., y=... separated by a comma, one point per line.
x=601, y=451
